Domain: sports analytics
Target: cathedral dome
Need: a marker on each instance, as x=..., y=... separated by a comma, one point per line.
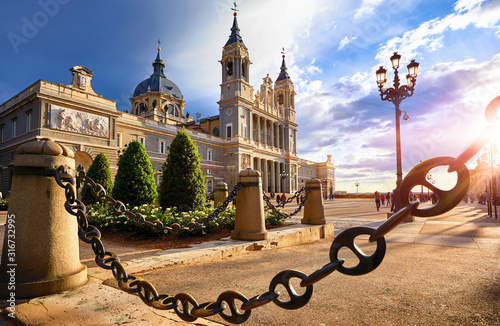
x=158, y=82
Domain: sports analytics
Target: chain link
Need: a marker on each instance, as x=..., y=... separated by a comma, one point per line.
x=187, y=307
x=230, y=198
x=289, y=200
x=282, y=215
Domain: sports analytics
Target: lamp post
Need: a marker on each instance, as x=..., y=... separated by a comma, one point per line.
x=357, y=185
x=325, y=188
x=431, y=181
x=493, y=186
x=283, y=175
x=396, y=95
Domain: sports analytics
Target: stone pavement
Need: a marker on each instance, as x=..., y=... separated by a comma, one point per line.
x=465, y=226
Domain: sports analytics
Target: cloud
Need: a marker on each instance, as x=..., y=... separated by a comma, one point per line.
x=429, y=34
x=367, y=8
x=345, y=41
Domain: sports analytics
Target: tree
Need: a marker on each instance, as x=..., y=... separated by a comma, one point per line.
x=134, y=181
x=100, y=172
x=183, y=183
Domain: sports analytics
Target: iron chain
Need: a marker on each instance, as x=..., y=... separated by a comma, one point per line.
x=230, y=198
x=289, y=200
x=191, y=310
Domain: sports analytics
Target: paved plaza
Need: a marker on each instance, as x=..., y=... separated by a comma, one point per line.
x=462, y=244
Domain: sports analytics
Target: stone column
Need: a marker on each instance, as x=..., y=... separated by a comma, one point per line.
x=46, y=254
x=264, y=174
x=277, y=176
x=283, y=138
x=258, y=130
x=249, y=118
x=220, y=193
x=272, y=134
x=313, y=208
x=279, y=136
x=264, y=141
x=249, y=223
x=273, y=177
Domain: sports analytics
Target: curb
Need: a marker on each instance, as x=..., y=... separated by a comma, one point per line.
x=217, y=250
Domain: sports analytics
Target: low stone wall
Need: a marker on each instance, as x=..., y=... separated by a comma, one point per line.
x=355, y=196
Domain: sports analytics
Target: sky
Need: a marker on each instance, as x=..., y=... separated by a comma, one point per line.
x=333, y=49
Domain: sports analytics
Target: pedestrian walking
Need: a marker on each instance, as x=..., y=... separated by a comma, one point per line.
x=382, y=199
x=388, y=198
x=377, y=200
x=283, y=197
x=278, y=198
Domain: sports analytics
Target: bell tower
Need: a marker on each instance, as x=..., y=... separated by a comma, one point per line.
x=285, y=93
x=285, y=103
x=235, y=90
x=235, y=65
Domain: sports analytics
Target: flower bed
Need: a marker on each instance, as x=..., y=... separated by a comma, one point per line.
x=4, y=204
x=101, y=216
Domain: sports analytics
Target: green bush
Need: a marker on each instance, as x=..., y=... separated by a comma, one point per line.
x=99, y=171
x=134, y=181
x=4, y=204
x=183, y=183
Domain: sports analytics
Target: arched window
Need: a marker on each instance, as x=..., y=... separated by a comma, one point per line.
x=229, y=68
x=172, y=110
x=244, y=69
x=143, y=107
x=280, y=99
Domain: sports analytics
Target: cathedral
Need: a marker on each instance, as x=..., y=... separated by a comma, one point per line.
x=253, y=129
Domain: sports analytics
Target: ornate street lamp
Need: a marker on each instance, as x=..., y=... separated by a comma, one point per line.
x=283, y=176
x=325, y=187
x=396, y=94
x=431, y=181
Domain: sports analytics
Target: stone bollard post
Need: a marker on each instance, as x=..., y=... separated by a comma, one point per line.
x=249, y=221
x=220, y=193
x=43, y=255
x=314, y=212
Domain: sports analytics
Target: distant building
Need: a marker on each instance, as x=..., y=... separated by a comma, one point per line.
x=481, y=178
x=255, y=131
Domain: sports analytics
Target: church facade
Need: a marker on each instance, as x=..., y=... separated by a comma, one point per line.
x=251, y=130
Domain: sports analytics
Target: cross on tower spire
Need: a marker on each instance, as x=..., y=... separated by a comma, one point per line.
x=235, y=8
x=283, y=74
x=235, y=31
